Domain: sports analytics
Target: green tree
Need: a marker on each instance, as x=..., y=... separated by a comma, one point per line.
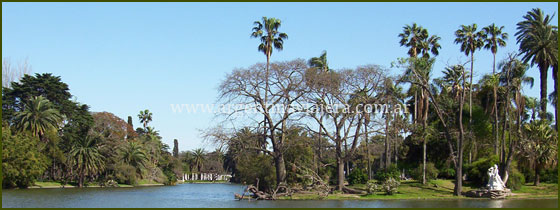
x=145, y=118
x=494, y=38
x=86, y=158
x=540, y=146
x=22, y=163
x=412, y=37
x=320, y=62
x=38, y=117
x=134, y=155
x=199, y=156
x=538, y=44
x=470, y=41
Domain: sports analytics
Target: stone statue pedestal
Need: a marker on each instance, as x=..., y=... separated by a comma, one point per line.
x=495, y=189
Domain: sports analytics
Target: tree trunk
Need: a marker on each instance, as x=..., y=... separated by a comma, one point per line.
x=496, y=127
x=367, y=149
x=280, y=169
x=544, y=78
x=339, y=165
x=537, y=175
x=386, y=155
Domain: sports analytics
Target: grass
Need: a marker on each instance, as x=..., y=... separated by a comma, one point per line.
x=544, y=190
x=435, y=189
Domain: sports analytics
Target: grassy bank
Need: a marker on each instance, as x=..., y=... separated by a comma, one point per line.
x=50, y=185
x=436, y=189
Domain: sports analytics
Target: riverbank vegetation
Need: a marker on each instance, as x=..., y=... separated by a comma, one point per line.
x=311, y=128
x=308, y=131
x=48, y=137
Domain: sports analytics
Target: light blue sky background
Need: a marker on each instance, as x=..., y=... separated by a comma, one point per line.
x=126, y=57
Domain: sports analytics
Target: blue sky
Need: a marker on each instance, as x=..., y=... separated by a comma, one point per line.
x=127, y=57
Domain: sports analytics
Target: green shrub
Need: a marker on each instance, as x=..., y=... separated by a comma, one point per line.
x=477, y=171
x=447, y=173
x=126, y=174
x=515, y=180
x=390, y=172
x=357, y=176
x=22, y=164
x=550, y=175
x=431, y=172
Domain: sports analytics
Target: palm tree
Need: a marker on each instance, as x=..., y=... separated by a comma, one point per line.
x=494, y=38
x=271, y=38
x=133, y=154
x=199, y=155
x=320, y=62
x=420, y=71
x=492, y=81
x=38, y=117
x=430, y=45
x=86, y=158
x=470, y=40
x=540, y=145
x=411, y=37
x=537, y=41
x=145, y=118
x=512, y=78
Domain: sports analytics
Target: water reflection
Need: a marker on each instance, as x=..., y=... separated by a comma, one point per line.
x=217, y=196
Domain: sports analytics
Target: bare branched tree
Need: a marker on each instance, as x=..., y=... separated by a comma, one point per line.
x=14, y=72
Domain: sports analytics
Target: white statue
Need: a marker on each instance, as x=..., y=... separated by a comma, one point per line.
x=494, y=180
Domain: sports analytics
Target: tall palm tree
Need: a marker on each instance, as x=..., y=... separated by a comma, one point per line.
x=145, y=118
x=320, y=62
x=412, y=37
x=38, y=117
x=538, y=44
x=267, y=31
x=87, y=159
x=430, y=45
x=470, y=40
x=494, y=38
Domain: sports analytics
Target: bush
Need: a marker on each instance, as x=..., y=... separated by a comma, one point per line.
x=447, y=173
x=22, y=164
x=390, y=185
x=477, y=171
x=390, y=172
x=126, y=174
x=257, y=166
x=372, y=187
x=431, y=172
x=515, y=180
x=550, y=175
x=357, y=176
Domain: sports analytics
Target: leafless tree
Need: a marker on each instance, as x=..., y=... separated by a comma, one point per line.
x=284, y=87
x=335, y=98
x=14, y=72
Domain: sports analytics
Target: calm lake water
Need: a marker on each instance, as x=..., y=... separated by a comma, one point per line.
x=216, y=195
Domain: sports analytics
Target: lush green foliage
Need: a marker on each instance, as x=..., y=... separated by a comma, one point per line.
x=431, y=172
x=357, y=176
x=22, y=163
x=390, y=172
